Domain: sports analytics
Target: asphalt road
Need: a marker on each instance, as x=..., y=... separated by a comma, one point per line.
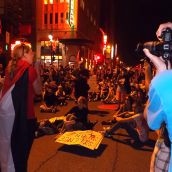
x=113, y=155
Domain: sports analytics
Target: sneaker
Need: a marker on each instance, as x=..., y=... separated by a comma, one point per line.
x=107, y=135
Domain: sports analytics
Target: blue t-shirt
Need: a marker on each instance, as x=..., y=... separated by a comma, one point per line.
x=160, y=103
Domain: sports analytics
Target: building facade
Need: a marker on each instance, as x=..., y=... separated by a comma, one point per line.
x=17, y=22
x=67, y=31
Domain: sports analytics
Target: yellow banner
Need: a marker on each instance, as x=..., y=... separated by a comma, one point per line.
x=89, y=139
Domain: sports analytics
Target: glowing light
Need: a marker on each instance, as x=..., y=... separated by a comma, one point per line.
x=108, y=50
x=105, y=39
x=116, y=49
x=112, y=52
x=45, y=1
x=17, y=42
x=51, y=1
x=50, y=37
x=71, y=12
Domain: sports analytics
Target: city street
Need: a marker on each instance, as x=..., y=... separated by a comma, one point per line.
x=109, y=52
x=113, y=155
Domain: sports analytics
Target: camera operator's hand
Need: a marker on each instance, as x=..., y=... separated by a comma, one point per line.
x=158, y=62
x=162, y=27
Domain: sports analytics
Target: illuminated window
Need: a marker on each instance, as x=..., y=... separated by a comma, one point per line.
x=62, y=17
x=61, y=1
x=45, y=18
x=45, y=1
x=67, y=1
x=56, y=18
x=51, y=18
x=51, y=1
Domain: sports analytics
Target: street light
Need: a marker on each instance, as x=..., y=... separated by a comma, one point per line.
x=50, y=36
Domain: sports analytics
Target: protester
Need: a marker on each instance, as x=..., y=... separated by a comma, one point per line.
x=158, y=110
x=133, y=122
x=80, y=77
x=77, y=117
x=17, y=117
x=123, y=86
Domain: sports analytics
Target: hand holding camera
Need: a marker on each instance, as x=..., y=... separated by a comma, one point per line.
x=160, y=52
x=158, y=62
x=163, y=27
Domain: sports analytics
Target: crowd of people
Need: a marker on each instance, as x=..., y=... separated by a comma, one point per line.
x=142, y=95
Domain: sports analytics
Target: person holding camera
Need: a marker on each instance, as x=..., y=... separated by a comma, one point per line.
x=159, y=107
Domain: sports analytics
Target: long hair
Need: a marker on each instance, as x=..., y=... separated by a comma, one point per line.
x=17, y=53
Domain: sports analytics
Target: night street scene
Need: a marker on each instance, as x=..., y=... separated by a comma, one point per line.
x=85, y=86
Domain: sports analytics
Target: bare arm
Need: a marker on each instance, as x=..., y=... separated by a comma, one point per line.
x=37, y=86
x=119, y=119
x=148, y=75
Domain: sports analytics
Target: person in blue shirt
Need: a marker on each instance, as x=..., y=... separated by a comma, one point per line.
x=159, y=106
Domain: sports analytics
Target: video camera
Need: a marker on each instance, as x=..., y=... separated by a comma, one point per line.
x=159, y=48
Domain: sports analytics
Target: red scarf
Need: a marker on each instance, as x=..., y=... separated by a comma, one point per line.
x=22, y=65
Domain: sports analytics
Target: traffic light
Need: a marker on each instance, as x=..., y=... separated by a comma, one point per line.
x=98, y=58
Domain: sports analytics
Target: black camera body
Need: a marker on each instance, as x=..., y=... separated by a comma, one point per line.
x=159, y=48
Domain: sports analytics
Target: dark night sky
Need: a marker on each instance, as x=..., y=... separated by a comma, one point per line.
x=131, y=21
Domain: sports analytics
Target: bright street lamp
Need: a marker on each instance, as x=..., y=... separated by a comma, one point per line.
x=50, y=36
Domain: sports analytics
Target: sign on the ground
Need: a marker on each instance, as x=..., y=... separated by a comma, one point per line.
x=89, y=138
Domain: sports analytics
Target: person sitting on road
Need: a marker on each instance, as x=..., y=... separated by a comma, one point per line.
x=50, y=99
x=126, y=106
x=77, y=117
x=103, y=90
x=133, y=122
x=111, y=94
x=61, y=97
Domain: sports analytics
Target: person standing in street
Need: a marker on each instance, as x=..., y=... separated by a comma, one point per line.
x=17, y=117
x=80, y=77
x=158, y=110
